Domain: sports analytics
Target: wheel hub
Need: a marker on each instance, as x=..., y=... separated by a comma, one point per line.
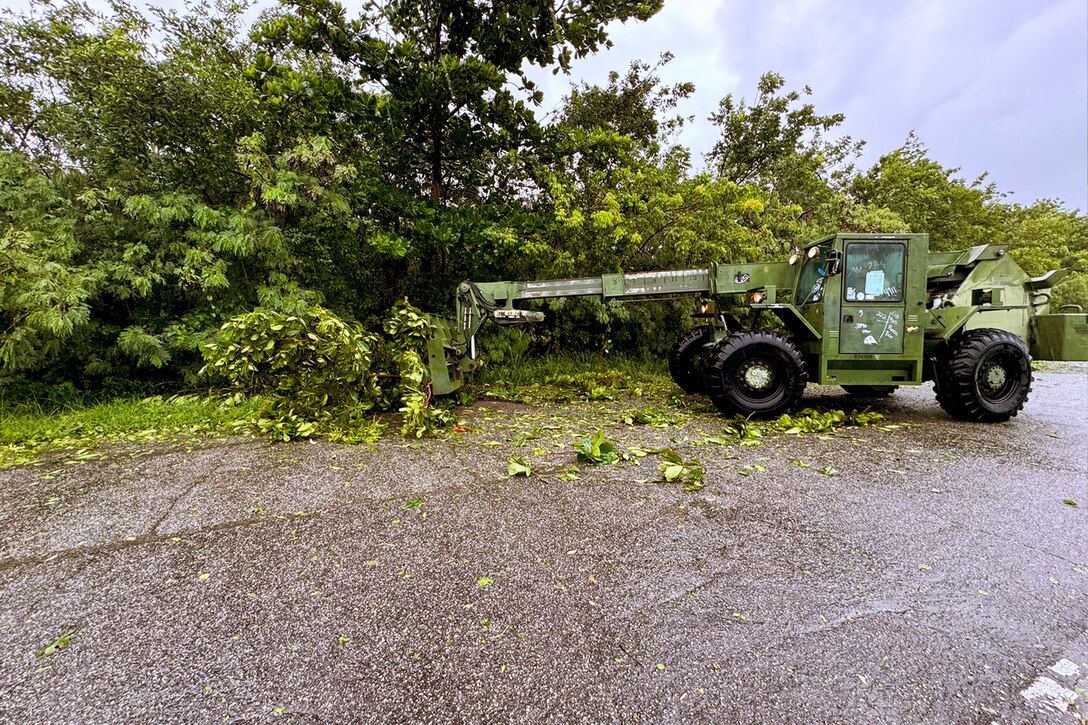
x=757, y=376
x=994, y=377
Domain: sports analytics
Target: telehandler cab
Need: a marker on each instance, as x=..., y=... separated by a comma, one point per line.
x=869, y=312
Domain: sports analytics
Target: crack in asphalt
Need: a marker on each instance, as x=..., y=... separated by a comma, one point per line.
x=151, y=537
x=145, y=540
x=198, y=480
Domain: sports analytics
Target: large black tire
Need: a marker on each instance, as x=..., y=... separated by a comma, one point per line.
x=870, y=391
x=984, y=376
x=755, y=373
x=684, y=358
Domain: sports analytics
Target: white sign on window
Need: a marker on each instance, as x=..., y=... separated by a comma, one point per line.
x=874, y=283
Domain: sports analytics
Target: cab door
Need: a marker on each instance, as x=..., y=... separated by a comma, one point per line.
x=873, y=298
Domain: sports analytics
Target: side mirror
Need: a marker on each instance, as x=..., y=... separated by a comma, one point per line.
x=834, y=262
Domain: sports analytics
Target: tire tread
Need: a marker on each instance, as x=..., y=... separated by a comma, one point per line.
x=956, y=368
x=719, y=358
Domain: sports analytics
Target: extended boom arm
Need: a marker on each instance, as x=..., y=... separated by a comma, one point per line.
x=452, y=349
x=477, y=302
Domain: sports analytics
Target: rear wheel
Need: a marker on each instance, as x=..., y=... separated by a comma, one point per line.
x=870, y=391
x=755, y=373
x=684, y=358
x=984, y=376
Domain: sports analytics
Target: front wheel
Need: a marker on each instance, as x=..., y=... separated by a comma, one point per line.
x=984, y=376
x=755, y=373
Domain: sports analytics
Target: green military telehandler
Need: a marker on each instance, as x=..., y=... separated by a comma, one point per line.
x=869, y=312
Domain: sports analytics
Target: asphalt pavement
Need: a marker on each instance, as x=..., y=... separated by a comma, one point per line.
x=920, y=570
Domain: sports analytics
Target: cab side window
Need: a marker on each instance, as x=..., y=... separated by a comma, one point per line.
x=874, y=272
x=810, y=285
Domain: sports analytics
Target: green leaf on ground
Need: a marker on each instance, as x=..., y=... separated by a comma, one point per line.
x=596, y=450
x=56, y=645
x=652, y=418
x=676, y=469
x=519, y=466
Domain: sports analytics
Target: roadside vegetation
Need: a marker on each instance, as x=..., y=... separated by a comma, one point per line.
x=30, y=433
x=552, y=414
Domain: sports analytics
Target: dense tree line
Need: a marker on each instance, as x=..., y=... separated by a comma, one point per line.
x=163, y=171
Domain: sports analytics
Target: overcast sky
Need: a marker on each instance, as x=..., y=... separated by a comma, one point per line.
x=988, y=85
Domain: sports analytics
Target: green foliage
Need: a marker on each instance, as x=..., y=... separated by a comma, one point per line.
x=308, y=363
x=781, y=145
x=123, y=193
x=43, y=291
x=574, y=376
x=597, y=385
x=314, y=369
x=631, y=106
x=56, y=645
x=769, y=141
x=624, y=198
x=809, y=420
x=675, y=469
x=652, y=418
x=596, y=450
x=1073, y=291
x=816, y=421
x=409, y=329
x=322, y=375
x=930, y=198
x=519, y=466
x=1045, y=236
x=439, y=128
x=146, y=348
x=29, y=432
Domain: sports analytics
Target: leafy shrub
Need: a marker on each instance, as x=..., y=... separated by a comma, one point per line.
x=322, y=376
x=310, y=363
x=408, y=330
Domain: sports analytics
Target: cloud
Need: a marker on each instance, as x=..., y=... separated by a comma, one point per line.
x=989, y=85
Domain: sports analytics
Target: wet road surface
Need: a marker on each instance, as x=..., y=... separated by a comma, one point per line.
x=940, y=576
